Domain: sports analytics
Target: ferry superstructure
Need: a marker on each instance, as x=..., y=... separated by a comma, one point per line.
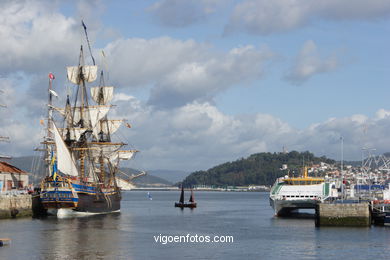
x=292, y=193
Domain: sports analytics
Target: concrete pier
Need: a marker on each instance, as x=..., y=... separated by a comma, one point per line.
x=343, y=214
x=15, y=206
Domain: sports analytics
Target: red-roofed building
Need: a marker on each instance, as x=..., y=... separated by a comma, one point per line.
x=12, y=177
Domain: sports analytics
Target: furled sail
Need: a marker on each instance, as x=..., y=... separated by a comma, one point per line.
x=102, y=95
x=89, y=73
x=64, y=158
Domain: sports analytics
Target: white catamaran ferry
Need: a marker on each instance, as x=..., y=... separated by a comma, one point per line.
x=292, y=193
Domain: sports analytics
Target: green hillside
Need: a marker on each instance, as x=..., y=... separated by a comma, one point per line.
x=258, y=169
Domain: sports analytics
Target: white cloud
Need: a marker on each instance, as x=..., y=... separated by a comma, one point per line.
x=182, y=71
x=178, y=127
x=309, y=63
x=23, y=131
x=198, y=135
x=265, y=17
x=382, y=113
x=30, y=32
x=122, y=97
x=178, y=13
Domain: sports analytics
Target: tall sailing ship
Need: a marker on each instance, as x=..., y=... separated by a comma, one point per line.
x=81, y=158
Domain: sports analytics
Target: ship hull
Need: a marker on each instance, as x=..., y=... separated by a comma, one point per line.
x=88, y=204
x=286, y=207
x=65, y=196
x=99, y=203
x=185, y=205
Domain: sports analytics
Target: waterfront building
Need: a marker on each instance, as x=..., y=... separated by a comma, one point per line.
x=11, y=177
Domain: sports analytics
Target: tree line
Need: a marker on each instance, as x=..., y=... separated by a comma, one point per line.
x=256, y=169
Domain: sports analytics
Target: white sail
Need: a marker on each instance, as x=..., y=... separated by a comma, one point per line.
x=97, y=113
x=126, y=155
x=107, y=126
x=121, y=155
x=58, y=109
x=102, y=95
x=64, y=159
x=94, y=113
x=89, y=73
x=104, y=150
x=75, y=133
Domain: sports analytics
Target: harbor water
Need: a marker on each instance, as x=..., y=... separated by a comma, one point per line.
x=245, y=216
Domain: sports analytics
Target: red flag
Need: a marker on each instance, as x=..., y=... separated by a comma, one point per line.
x=51, y=76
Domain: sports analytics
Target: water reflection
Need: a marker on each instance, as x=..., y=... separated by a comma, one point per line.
x=81, y=237
x=246, y=216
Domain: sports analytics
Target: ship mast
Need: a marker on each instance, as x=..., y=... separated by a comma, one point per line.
x=49, y=135
x=81, y=75
x=4, y=138
x=87, y=132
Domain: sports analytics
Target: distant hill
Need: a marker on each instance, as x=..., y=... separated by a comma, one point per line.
x=170, y=175
x=148, y=180
x=36, y=167
x=25, y=163
x=32, y=164
x=145, y=180
x=259, y=169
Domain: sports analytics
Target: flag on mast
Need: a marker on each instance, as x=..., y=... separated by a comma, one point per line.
x=53, y=165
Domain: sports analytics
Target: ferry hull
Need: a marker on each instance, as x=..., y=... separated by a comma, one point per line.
x=286, y=207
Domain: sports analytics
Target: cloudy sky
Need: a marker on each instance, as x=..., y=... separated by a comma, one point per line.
x=208, y=81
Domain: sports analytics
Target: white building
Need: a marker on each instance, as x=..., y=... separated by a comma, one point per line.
x=12, y=177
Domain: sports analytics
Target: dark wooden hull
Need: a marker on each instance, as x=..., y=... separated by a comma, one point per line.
x=99, y=203
x=37, y=207
x=185, y=205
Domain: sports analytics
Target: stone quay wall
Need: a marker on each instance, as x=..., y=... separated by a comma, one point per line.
x=343, y=214
x=15, y=205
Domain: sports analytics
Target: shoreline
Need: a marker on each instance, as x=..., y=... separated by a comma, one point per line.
x=201, y=189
